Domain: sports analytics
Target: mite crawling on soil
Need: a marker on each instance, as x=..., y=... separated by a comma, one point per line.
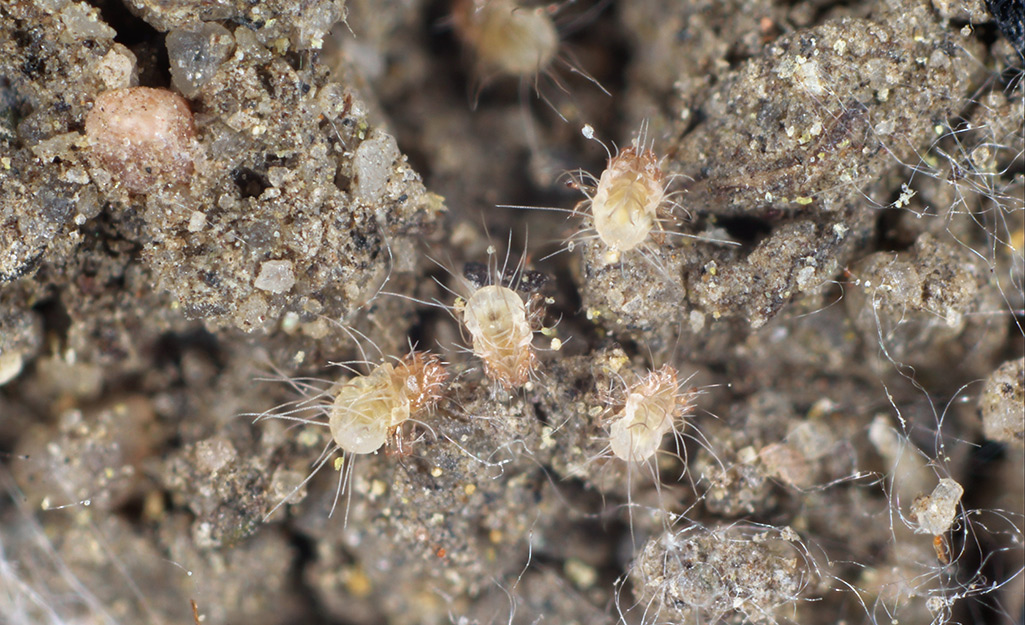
x=628, y=205
x=501, y=308
x=512, y=38
x=652, y=408
x=365, y=412
x=640, y=410
x=630, y=202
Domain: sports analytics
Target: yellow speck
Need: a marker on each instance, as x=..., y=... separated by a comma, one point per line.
x=617, y=361
x=153, y=506
x=470, y=489
x=582, y=575
x=339, y=462
x=1018, y=240
x=436, y=472
x=495, y=536
x=6, y=162
x=804, y=201
x=747, y=455
x=280, y=45
x=547, y=442
x=357, y=583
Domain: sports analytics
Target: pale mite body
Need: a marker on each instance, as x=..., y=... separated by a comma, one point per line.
x=507, y=37
x=651, y=409
x=626, y=202
x=497, y=320
x=368, y=408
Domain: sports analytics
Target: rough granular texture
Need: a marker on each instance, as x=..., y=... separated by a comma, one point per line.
x=280, y=174
x=279, y=22
x=214, y=215
x=141, y=137
x=719, y=575
x=1002, y=404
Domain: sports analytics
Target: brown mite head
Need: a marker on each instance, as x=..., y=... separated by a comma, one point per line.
x=637, y=162
x=422, y=378
x=142, y=137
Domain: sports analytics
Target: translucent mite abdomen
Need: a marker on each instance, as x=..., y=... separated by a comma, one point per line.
x=625, y=204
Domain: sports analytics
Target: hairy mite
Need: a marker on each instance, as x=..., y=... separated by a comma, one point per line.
x=365, y=411
x=497, y=320
x=651, y=410
x=626, y=200
x=369, y=408
x=506, y=36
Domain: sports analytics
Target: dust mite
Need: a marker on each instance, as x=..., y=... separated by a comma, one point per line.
x=501, y=325
x=368, y=409
x=627, y=198
x=506, y=36
x=652, y=408
x=365, y=411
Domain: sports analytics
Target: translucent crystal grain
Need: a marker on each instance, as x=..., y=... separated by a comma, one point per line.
x=196, y=52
